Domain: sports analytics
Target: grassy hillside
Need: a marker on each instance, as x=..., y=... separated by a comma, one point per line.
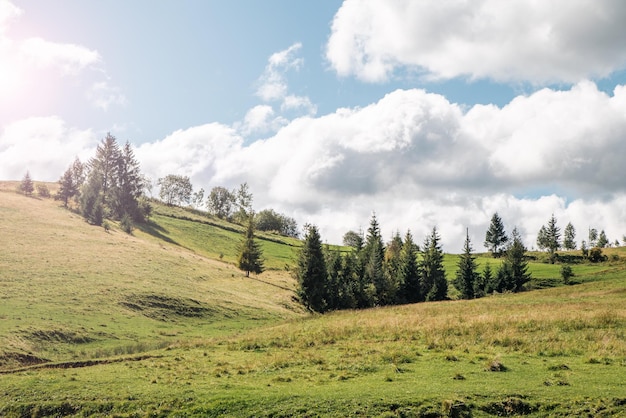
x=161, y=323
x=70, y=290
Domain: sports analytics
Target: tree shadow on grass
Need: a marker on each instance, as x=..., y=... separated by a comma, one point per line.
x=156, y=231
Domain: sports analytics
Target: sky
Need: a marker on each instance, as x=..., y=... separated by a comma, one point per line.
x=428, y=114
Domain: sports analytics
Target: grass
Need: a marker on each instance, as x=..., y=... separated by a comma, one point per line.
x=155, y=324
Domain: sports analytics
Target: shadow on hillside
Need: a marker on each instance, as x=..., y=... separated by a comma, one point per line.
x=156, y=231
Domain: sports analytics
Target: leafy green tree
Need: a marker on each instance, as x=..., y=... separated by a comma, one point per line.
x=310, y=272
x=467, y=271
x=515, y=259
x=353, y=239
x=243, y=202
x=220, y=202
x=250, y=257
x=198, y=198
x=603, y=241
x=175, y=189
x=270, y=220
x=27, y=186
x=495, y=237
x=569, y=236
x=434, y=283
x=410, y=271
x=593, y=237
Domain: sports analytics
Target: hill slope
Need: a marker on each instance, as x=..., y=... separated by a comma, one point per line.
x=107, y=324
x=71, y=290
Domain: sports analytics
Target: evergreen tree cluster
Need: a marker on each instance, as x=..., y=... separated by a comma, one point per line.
x=374, y=274
x=109, y=185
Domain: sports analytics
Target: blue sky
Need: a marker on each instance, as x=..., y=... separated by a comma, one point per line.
x=426, y=113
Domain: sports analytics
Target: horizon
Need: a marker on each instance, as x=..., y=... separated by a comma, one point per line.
x=419, y=112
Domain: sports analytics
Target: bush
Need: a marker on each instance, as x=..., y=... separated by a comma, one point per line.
x=596, y=256
x=126, y=223
x=43, y=191
x=566, y=273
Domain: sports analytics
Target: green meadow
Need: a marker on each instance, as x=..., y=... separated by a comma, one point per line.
x=161, y=323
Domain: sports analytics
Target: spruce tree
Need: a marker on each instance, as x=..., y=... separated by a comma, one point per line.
x=391, y=286
x=250, y=255
x=467, y=271
x=67, y=187
x=310, y=271
x=569, y=236
x=106, y=164
x=26, y=186
x=410, y=272
x=434, y=283
x=516, y=262
x=495, y=237
x=552, y=238
x=374, y=254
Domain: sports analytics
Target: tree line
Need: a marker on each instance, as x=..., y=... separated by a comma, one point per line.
x=231, y=205
x=375, y=274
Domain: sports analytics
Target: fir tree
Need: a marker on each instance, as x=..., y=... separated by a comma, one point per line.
x=410, y=272
x=569, y=236
x=67, y=187
x=310, y=271
x=495, y=237
x=250, y=255
x=516, y=262
x=374, y=252
x=26, y=186
x=467, y=273
x=434, y=283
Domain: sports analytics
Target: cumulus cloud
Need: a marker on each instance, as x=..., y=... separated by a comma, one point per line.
x=272, y=84
x=519, y=40
x=103, y=95
x=418, y=161
x=46, y=146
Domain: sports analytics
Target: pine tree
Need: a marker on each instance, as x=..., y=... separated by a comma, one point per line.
x=67, y=187
x=128, y=187
x=552, y=238
x=310, y=271
x=409, y=272
x=91, y=205
x=374, y=252
x=434, y=283
x=105, y=164
x=495, y=237
x=250, y=255
x=483, y=281
x=467, y=271
x=569, y=236
x=26, y=186
x=391, y=263
x=516, y=260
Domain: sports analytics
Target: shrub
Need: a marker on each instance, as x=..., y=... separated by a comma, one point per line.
x=566, y=273
x=126, y=223
x=596, y=256
x=43, y=191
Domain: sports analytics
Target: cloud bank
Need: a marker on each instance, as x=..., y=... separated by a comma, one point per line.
x=518, y=40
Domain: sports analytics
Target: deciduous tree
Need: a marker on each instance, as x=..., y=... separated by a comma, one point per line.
x=175, y=189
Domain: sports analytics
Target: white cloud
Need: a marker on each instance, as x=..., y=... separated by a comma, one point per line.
x=103, y=95
x=259, y=120
x=414, y=158
x=517, y=40
x=70, y=59
x=45, y=146
x=420, y=161
x=293, y=102
x=272, y=84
